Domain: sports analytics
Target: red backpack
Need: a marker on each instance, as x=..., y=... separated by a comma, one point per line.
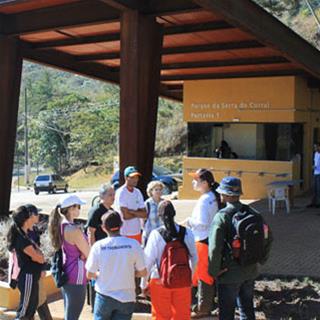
x=175, y=271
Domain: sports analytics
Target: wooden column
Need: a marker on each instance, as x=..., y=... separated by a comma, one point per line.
x=10, y=71
x=141, y=43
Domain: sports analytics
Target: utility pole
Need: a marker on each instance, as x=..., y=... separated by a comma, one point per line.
x=26, y=149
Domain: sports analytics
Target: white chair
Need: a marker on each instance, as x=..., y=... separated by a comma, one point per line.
x=280, y=193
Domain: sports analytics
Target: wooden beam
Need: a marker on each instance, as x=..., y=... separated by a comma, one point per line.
x=67, y=62
x=169, y=7
x=141, y=41
x=10, y=70
x=218, y=46
x=59, y=17
x=189, y=28
x=126, y=4
x=224, y=63
x=184, y=49
x=227, y=75
x=250, y=17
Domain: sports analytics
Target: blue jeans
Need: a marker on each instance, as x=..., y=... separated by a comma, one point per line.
x=316, y=195
x=107, y=308
x=236, y=294
x=74, y=296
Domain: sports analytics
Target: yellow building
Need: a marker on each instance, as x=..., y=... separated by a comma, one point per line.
x=270, y=124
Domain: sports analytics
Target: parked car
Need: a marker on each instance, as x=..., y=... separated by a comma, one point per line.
x=50, y=183
x=160, y=174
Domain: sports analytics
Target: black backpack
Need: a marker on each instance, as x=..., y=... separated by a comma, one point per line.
x=249, y=235
x=59, y=276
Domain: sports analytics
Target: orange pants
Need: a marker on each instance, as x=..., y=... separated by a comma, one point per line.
x=137, y=237
x=169, y=304
x=201, y=272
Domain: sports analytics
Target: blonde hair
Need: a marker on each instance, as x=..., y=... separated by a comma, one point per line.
x=54, y=227
x=152, y=185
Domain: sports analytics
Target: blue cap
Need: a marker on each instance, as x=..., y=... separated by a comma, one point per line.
x=131, y=172
x=230, y=186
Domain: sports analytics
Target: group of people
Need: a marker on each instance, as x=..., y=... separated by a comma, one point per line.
x=130, y=245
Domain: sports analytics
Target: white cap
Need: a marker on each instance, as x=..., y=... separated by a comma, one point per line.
x=71, y=200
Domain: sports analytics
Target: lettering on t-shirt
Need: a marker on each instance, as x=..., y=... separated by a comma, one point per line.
x=125, y=246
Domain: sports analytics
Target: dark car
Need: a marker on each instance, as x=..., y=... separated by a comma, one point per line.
x=159, y=174
x=50, y=183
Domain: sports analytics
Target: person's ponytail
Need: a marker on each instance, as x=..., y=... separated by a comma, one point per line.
x=11, y=236
x=213, y=188
x=55, y=228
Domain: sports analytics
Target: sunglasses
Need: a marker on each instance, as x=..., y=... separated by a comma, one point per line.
x=77, y=206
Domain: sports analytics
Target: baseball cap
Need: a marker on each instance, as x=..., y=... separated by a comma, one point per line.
x=71, y=200
x=131, y=172
x=111, y=220
x=230, y=186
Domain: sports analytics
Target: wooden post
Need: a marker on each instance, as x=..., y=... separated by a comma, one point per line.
x=10, y=70
x=141, y=44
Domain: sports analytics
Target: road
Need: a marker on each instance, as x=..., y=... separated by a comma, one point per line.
x=46, y=202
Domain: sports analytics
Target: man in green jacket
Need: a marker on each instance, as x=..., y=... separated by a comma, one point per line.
x=235, y=283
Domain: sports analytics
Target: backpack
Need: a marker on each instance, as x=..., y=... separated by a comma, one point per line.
x=59, y=276
x=175, y=271
x=249, y=235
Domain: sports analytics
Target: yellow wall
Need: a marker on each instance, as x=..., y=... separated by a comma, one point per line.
x=9, y=298
x=254, y=174
x=253, y=100
x=270, y=99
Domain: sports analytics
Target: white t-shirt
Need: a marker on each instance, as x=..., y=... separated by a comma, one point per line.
x=202, y=215
x=133, y=201
x=116, y=259
x=154, y=250
x=316, y=170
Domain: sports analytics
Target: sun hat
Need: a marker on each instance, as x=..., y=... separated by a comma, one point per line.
x=230, y=186
x=131, y=172
x=71, y=200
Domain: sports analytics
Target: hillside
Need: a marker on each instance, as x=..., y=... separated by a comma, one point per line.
x=74, y=121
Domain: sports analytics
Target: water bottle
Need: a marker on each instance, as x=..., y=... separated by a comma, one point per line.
x=236, y=245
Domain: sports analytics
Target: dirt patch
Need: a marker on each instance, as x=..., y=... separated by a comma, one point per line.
x=288, y=299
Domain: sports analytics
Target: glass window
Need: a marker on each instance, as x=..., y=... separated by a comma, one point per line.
x=42, y=178
x=281, y=142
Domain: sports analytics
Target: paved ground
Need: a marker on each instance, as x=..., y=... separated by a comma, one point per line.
x=295, y=250
x=296, y=240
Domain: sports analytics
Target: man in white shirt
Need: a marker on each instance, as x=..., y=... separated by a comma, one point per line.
x=316, y=172
x=130, y=204
x=114, y=262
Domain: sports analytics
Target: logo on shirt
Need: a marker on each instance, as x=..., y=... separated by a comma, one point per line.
x=126, y=246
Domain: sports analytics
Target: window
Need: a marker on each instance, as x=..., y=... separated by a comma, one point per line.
x=281, y=142
x=42, y=178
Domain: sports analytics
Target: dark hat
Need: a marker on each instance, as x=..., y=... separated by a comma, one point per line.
x=111, y=220
x=131, y=172
x=230, y=186
x=23, y=213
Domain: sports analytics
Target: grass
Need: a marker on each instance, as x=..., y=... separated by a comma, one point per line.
x=91, y=177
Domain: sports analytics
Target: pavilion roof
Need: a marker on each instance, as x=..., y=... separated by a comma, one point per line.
x=203, y=39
